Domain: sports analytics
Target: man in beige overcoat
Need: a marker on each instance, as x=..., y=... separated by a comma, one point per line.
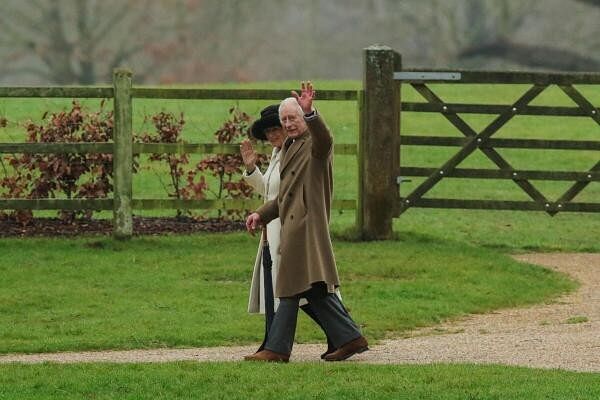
x=307, y=266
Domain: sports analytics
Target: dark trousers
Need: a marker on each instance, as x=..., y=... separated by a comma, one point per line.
x=308, y=311
x=335, y=320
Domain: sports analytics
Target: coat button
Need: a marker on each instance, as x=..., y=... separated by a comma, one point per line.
x=291, y=217
x=293, y=172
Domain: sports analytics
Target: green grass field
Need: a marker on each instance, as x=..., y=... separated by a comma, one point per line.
x=179, y=291
x=293, y=381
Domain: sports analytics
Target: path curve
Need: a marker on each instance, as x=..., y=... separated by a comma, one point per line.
x=537, y=336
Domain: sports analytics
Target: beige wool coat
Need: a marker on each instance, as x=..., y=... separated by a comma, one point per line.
x=267, y=186
x=303, y=205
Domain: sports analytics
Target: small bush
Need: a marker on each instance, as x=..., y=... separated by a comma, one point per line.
x=72, y=175
x=191, y=183
x=90, y=175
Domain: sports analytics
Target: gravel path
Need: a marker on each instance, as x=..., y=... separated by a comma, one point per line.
x=537, y=336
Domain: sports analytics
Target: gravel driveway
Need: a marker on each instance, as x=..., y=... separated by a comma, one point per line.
x=562, y=334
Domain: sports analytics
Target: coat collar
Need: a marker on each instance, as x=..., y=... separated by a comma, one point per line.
x=291, y=147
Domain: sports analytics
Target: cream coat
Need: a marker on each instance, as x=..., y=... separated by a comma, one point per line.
x=303, y=204
x=266, y=185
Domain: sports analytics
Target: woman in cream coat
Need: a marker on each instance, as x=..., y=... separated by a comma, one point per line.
x=268, y=127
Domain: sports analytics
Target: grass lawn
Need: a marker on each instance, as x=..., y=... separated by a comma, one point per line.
x=177, y=291
x=293, y=381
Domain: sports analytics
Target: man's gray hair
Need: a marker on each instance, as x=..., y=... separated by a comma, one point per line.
x=290, y=101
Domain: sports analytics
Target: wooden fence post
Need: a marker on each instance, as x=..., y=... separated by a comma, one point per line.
x=378, y=144
x=123, y=155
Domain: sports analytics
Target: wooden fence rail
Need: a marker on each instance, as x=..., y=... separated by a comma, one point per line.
x=379, y=106
x=482, y=141
x=123, y=148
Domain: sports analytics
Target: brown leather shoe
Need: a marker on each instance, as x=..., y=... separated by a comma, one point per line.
x=267, y=355
x=330, y=349
x=349, y=349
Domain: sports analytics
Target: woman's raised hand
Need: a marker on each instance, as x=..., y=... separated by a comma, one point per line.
x=248, y=155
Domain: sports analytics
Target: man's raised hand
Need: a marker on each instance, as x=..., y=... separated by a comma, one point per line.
x=306, y=97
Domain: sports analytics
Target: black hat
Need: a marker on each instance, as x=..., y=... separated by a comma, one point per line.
x=269, y=117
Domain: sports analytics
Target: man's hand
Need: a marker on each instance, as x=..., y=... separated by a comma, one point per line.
x=253, y=222
x=248, y=155
x=306, y=98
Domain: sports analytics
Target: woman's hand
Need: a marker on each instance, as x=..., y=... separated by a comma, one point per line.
x=248, y=155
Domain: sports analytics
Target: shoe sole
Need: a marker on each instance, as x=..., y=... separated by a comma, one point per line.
x=361, y=350
x=272, y=361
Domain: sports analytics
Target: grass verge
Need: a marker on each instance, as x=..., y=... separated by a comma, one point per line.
x=180, y=291
x=294, y=381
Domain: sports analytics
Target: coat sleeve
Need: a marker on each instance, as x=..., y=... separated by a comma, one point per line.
x=269, y=211
x=256, y=180
x=321, y=137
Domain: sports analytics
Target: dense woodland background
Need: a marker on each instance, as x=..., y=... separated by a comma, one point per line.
x=197, y=41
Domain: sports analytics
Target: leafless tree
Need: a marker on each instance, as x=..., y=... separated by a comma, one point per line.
x=74, y=41
x=191, y=41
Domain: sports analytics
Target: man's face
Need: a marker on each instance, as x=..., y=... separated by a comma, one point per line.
x=292, y=121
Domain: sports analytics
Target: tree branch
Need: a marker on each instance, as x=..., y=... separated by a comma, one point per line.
x=113, y=20
x=124, y=54
x=18, y=31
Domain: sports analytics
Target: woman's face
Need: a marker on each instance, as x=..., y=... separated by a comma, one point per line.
x=275, y=136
